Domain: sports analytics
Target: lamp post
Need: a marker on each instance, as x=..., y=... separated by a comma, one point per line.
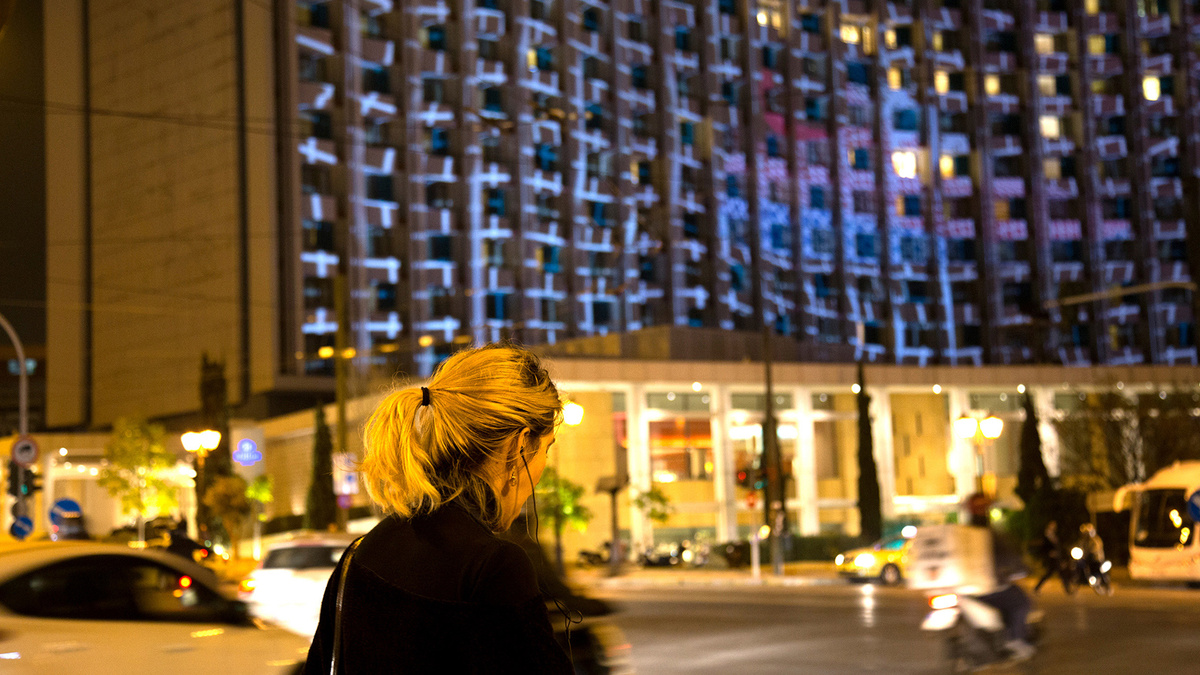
x=200, y=443
x=981, y=432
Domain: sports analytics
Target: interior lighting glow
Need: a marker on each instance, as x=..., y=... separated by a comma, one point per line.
x=937, y=388
x=965, y=427
x=1151, y=87
x=696, y=386
x=941, y=81
x=905, y=163
x=325, y=352
x=946, y=166
x=62, y=452
x=1020, y=389
x=856, y=387
x=851, y=34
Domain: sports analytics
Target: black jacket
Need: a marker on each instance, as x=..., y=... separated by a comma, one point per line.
x=438, y=593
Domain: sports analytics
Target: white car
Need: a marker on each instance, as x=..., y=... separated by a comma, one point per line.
x=287, y=586
x=82, y=607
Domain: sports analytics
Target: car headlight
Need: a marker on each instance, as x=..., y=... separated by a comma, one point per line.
x=839, y=559
x=864, y=560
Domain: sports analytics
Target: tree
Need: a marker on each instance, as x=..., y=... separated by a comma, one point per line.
x=320, y=509
x=1034, y=485
x=870, y=511
x=135, y=471
x=226, y=500
x=559, y=501
x=654, y=504
x=260, y=492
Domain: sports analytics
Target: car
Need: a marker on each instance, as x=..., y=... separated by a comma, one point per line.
x=885, y=560
x=86, y=607
x=287, y=586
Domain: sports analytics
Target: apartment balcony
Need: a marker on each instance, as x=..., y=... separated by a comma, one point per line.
x=1170, y=229
x=1051, y=22
x=959, y=186
x=966, y=313
x=944, y=18
x=1008, y=187
x=996, y=20
x=1003, y=103
x=1062, y=188
x=1105, y=65
x=1058, y=62
x=1162, y=146
x=1056, y=105
x=951, y=101
x=1165, y=188
x=1111, y=147
x=955, y=143
x=1118, y=272
x=1165, y=105
x=1106, y=105
x=810, y=43
x=490, y=71
x=1003, y=146
x=1003, y=62
x=899, y=13
x=314, y=95
x=1064, y=272
x=432, y=220
x=1060, y=146
x=1157, y=63
x=950, y=60
x=378, y=51
x=960, y=228
x=316, y=206
x=314, y=38
x=1102, y=22
x=1154, y=26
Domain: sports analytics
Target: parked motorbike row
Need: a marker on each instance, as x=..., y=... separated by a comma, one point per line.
x=667, y=554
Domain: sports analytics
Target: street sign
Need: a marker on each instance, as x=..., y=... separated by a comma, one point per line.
x=25, y=451
x=1193, y=506
x=247, y=453
x=344, y=501
x=345, y=478
x=63, y=508
x=21, y=527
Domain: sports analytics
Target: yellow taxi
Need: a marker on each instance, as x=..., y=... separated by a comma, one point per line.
x=884, y=560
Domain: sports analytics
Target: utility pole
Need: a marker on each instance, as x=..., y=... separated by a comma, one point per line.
x=20, y=508
x=775, y=499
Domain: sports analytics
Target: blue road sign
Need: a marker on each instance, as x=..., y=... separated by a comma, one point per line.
x=64, y=507
x=247, y=453
x=1193, y=508
x=21, y=527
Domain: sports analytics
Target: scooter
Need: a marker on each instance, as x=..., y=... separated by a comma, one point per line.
x=1091, y=572
x=975, y=631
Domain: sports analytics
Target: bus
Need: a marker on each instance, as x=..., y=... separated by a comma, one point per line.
x=1163, y=543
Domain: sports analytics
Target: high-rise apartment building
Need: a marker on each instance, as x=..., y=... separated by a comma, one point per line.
x=937, y=181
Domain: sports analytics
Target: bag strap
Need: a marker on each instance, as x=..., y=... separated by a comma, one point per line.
x=337, y=612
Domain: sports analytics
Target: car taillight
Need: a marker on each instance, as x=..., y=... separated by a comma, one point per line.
x=943, y=601
x=246, y=586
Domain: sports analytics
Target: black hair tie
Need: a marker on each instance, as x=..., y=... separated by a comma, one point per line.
x=424, y=396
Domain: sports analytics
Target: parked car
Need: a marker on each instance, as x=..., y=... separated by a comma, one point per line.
x=287, y=586
x=84, y=607
x=885, y=560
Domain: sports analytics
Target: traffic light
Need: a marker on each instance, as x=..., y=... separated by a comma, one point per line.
x=750, y=479
x=31, y=484
x=14, y=479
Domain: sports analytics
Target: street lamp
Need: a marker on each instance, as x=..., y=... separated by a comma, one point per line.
x=981, y=433
x=201, y=442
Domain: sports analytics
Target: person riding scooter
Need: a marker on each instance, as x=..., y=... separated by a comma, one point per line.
x=1012, y=602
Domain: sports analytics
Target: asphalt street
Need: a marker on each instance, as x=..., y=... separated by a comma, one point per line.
x=836, y=628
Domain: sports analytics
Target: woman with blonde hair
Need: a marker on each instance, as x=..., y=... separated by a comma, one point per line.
x=431, y=587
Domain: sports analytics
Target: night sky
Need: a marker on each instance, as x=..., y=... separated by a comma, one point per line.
x=22, y=175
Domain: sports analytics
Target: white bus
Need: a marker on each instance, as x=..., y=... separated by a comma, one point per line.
x=1163, y=543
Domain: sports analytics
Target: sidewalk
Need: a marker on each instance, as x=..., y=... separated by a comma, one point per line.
x=634, y=576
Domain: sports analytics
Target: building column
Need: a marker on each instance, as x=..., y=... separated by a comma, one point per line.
x=804, y=465
x=723, y=467
x=885, y=450
x=962, y=451
x=638, y=430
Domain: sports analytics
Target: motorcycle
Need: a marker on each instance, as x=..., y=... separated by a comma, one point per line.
x=975, y=631
x=1088, y=571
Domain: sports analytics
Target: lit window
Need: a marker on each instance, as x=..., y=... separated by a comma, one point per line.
x=938, y=40
x=946, y=164
x=1047, y=85
x=905, y=164
x=941, y=81
x=1052, y=167
x=889, y=38
x=1092, y=6
x=895, y=78
x=1151, y=87
x=1051, y=127
x=1043, y=43
x=851, y=34
x=1097, y=45
x=991, y=84
x=1001, y=208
